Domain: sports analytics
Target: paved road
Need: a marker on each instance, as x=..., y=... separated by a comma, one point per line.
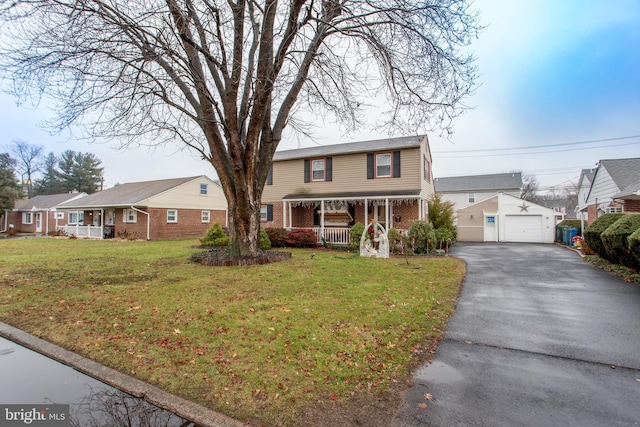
x=539, y=338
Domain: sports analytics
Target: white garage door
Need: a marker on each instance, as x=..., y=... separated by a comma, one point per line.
x=523, y=228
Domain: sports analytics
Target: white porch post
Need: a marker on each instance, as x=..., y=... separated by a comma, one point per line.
x=420, y=202
x=102, y=223
x=321, y=219
x=366, y=211
x=290, y=215
x=386, y=214
x=284, y=214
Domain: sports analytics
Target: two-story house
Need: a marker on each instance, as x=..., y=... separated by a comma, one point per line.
x=329, y=188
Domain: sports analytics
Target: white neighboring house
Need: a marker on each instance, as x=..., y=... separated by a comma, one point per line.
x=615, y=188
x=463, y=191
x=505, y=218
x=584, y=186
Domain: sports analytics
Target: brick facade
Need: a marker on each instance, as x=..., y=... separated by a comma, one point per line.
x=632, y=205
x=15, y=218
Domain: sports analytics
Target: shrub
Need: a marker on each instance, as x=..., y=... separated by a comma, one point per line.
x=277, y=237
x=398, y=243
x=265, y=242
x=422, y=236
x=634, y=247
x=302, y=238
x=446, y=235
x=355, y=234
x=441, y=212
x=595, y=229
x=215, y=236
x=615, y=237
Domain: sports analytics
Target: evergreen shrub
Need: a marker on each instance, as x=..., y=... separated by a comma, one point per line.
x=595, y=229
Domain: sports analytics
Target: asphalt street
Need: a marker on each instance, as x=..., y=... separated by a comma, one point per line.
x=539, y=338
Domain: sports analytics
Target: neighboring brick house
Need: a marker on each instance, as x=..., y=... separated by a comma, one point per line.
x=168, y=208
x=615, y=188
x=39, y=214
x=463, y=191
x=329, y=188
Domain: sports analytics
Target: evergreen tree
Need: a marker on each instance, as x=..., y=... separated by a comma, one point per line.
x=80, y=171
x=51, y=182
x=9, y=187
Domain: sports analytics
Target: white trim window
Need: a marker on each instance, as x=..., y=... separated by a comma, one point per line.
x=204, y=189
x=130, y=216
x=172, y=215
x=317, y=170
x=383, y=165
x=472, y=197
x=263, y=213
x=206, y=216
x=59, y=215
x=27, y=218
x=76, y=217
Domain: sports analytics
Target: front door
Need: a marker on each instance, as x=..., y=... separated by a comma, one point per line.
x=38, y=222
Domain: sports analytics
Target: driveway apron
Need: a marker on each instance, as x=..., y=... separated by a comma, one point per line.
x=539, y=338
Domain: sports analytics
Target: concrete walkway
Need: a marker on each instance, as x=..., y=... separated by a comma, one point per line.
x=539, y=338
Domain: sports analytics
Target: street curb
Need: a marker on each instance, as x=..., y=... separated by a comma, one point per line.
x=133, y=386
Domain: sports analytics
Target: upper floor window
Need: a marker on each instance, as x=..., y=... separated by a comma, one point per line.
x=317, y=170
x=172, y=215
x=383, y=165
x=472, y=197
x=204, y=189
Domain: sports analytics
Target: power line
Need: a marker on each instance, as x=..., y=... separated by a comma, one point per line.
x=535, y=152
x=593, y=141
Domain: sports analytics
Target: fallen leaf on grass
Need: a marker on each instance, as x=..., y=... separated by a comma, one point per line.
x=176, y=331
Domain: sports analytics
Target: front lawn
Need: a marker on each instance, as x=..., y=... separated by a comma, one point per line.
x=266, y=344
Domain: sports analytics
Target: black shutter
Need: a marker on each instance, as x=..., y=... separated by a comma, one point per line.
x=396, y=164
x=328, y=164
x=270, y=175
x=269, y=212
x=307, y=170
x=370, y=171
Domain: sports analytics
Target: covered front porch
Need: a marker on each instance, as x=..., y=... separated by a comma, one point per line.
x=331, y=216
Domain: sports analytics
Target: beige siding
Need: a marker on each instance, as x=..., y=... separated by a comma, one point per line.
x=427, y=186
x=187, y=196
x=349, y=174
x=471, y=220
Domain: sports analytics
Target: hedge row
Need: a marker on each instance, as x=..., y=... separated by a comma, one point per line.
x=616, y=238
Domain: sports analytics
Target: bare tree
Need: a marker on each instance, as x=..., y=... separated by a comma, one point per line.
x=529, y=188
x=224, y=78
x=28, y=162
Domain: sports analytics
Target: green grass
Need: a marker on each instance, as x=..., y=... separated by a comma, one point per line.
x=625, y=273
x=260, y=342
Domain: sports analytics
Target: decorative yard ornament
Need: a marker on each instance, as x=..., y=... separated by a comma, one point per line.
x=374, y=241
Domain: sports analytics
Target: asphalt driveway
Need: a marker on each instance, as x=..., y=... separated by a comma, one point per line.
x=539, y=338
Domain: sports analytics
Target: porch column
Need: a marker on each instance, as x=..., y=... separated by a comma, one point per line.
x=102, y=223
x=366, y=212
x=386, y=214
x=321, y=218
x=284, y=214
x=420, y=202
x=290, y=215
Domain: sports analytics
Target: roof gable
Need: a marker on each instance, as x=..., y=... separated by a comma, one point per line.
x=624, y=172
x=350, y=148
x=129, y=194
x=493, y=182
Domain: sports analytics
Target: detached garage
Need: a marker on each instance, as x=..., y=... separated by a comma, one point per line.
x=505, y=218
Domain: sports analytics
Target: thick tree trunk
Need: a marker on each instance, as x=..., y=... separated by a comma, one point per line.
x=244, y=226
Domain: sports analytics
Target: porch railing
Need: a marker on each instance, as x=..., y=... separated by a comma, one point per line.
x=83, y=231
x=333, y=235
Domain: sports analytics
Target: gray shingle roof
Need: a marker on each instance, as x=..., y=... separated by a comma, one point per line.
x=624, y=172
x=502, y=181
x=351, y=147
x=130, y=194
x=43, y=202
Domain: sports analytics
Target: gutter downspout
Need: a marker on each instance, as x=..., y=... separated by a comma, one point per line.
x=6, y=221
x=148, y=221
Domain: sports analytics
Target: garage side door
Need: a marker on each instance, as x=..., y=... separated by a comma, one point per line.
x=523, y=228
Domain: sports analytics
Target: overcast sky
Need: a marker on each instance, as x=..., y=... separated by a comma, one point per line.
x=560, y=90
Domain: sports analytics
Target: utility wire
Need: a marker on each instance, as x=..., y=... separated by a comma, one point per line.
x=534, y=152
